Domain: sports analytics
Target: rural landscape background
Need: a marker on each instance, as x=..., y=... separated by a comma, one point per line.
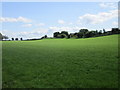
x=59, y=44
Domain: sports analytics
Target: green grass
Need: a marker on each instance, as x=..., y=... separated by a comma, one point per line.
x=61, y=63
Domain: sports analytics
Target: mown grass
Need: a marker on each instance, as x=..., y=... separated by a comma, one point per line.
x=61, y=63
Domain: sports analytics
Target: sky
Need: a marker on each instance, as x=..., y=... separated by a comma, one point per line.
x=36, y=19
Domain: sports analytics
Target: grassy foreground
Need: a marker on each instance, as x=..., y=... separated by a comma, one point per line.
x=61, y=63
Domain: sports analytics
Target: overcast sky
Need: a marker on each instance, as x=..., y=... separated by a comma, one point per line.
x=33, y=20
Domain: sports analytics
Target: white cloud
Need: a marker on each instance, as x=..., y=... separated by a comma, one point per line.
x=61, y=21
x=8, y=33
x=30, y=25
x=19, y=19
x=115, y=23
x=36, y=33
x=40, y=24
x=98, y=18
x=108, y=5
x=107, y=29
x=27, y=25
x=69, y=29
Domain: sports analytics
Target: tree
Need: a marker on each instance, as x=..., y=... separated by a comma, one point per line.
x=68, y=36
x=80, y=35
x=115, y=31
x=109, y=33
x=104, y=31
x=100, y=32
x=42, y=37
x=63, y=35
x=45, y=36
x=0, y=36
x=64, y=32
x=55, y=34
x=59, y=36
x=21, y=39
x=5, y=37
x=76, y=35
x=83, y=32
x=96, y=33
x=90, y=34
x=12, y=39
x=16, y=39
x=73, y=35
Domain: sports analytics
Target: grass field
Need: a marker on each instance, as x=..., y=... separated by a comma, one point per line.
x=61, y=63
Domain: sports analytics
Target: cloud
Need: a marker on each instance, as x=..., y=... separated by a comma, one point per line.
x=8, y=33
x=36, y=33
x=40, y=24
x=69, y=29
x=108, y=5
x=98, y=18
x=30, y=25
x=19, y=19
x=27, y=25
x=115, y=23
x=61, y=21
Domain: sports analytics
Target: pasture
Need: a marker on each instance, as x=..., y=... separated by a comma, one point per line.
x=61, y=63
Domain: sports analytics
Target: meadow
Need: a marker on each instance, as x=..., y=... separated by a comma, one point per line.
x=61, y=63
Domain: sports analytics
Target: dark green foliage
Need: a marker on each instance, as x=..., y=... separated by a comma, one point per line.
x=21, y=39
x=45, y=36
x=16, y=39
x=83, y=30
x=100, y=33
x=80, y=35
x=3, y=37
x=63, y=34
x=12, y=39
x=75, y=35
x=109, y=33
x=90, y=34
x=104, y=31
x=68, y=36
x=85, y=33
x=71, y=35
x=0, y=36
x=115, y=31
x=56, y=34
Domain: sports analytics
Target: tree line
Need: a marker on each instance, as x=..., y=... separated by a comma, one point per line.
x=4, y=37
x=85, y=33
